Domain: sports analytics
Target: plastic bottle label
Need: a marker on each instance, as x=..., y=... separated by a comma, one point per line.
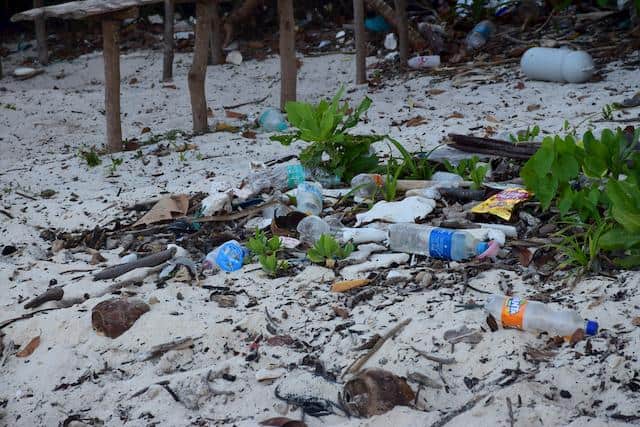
x=230, y=257
x=440, y=243
x=295, y=175
x=309, y=188
x=513, y=312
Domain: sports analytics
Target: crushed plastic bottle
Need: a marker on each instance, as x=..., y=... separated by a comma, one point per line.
x=312, y=227
x=424, y=62
x=441, y=243
x=272, y=120
x=480, y=34
x=534, y=316
x=227, y=257
x=286, y=177
x=309, y=198
x=366, y=184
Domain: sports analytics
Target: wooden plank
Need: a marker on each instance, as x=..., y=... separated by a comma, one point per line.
x=80, y=9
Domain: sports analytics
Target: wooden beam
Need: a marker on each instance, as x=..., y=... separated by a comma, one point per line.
x=198, y=71
x=111, y=54
x=167, y=64
x=403, y=31
x=288, y=67
x=41, y=35
x=361, y=41
x=216, y=57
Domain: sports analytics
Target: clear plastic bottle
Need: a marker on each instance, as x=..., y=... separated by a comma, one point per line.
x=424, y=62
x=534, y=316
x=442, y=243
x=309, y=198
x=286, y=177
x=312, y=227
x=227, y=257
x=367, y=184
x=480, y=34
x=272, y=120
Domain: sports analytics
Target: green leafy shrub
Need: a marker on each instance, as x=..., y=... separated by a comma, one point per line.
x=327, y=250
x=267, y=253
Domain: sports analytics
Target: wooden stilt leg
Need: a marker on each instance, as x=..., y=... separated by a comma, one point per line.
x=288, y=68
x=111, y=53
x=41, y=35
x=361, y=41
x=403, y=31
x=198, y=71
x=167, y=65
x=216, y=35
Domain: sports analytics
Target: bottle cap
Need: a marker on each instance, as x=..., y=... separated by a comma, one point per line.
x=591, y=328
x=481, y=247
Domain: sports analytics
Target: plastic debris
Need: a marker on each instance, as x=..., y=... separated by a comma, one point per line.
x=407, y=210
x=503, y=203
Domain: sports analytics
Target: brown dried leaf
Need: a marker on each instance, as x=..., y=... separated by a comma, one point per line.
x=456, y=115
x=524, y=255
x=145, y=129
x=576, y=337
x=280, y=341
x=519, y=86
x=166, y=209
x=209, y=112
x=596, y=302
x=283, y=422
x=235, y=115
x=29, y=348
x=491, y=118
x=493, y=324
x=341, y=311
x=635, y=321
x=249, y=134
x=415, y=121
x=226, y=127
x=533, y=107
x=434, y=92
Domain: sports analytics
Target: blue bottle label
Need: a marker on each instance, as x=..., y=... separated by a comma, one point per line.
x=230, y=257
x=440, y=243
x=295, y=175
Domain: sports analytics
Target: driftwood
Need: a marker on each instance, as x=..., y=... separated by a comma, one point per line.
x=380, y=6
x=148, y=261
x=52, y=294
x=493, y=147
x=80, y=9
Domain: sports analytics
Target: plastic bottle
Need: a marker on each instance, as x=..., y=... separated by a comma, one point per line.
x=558, y=65
x=424, y=62
x=272, y=120
x=227, y=257
x=286, y=177
x=534, y=316
x=309, y=198
x=435, y=242
x=480, y=35
x=312, y=227
x=367, y=184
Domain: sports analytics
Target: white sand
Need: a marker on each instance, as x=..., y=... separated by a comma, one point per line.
x=59, y=112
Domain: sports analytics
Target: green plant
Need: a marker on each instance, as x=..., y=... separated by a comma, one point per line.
x=325, y=127
x=10, y=106
x=327, y=250
x=390, y=186
x=477, y=176
x=581, y=244
x=267, y=252
x=115, y=163
x=182, y=157
x=469, y=169
x=525, y=136
x=91, y=157
x=607, y=111
x=412, y=167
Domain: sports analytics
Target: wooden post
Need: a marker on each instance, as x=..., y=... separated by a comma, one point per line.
x=361, y=41
x=41, y=35
x=111, y=53
x=403, y=31
x=380, y=6
x=167, y=65
x=288, y=68
x=216, y=57
x=198, y=71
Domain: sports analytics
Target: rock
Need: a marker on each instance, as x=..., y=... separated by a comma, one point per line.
x=114, y=317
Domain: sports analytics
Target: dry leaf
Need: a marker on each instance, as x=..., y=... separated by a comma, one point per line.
x=209, y=112
x=283, y=422
x=280, y=341
x=434, y=92
x=463, y=334
x=524, y=255
x=492, y=119
x=29, y=348
x=249, y=134
x=374, y=392
x=456, y=115
x=415, y=121
x=635, y=321
x=145, y=129
x=235, y=115
x=576, y=337
x=491, y=321
x=596, y=302
x=341, y=311
x=489, y=131
x=347, y=285
x=226, y=127
x=519, y=86
x=169, y=86
x=167, y=208
x=533, y=107
x=133, y=81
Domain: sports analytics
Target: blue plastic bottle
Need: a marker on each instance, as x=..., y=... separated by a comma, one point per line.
x=441, y=243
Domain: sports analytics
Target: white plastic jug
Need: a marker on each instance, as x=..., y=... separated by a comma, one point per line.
x=558, y=65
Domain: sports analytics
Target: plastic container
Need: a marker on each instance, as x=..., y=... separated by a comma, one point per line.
x=390, y=42
x=441, y=243
x=424, y=62
x=534, y=316
x=312, y=227
x=367, y=184
x=283, y=177
x=557, y=65
x=309, y=198
x=377, y=24
x=272, y=120
x=480, y=34
x=227, y=257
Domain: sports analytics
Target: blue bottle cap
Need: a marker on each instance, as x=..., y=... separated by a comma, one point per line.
x=230, y=257
x=481, y=247
x=591, y=328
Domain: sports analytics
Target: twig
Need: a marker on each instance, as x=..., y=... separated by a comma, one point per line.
x=52, y=294
x=437, y=359
x=24, y=316
x=25, y=195
x=512, y=421
x=355, y=367
x=6, y=213
x=545, y=23
x=148, y=261
x=464, y=408
x=160, y=349
x=242, y=104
